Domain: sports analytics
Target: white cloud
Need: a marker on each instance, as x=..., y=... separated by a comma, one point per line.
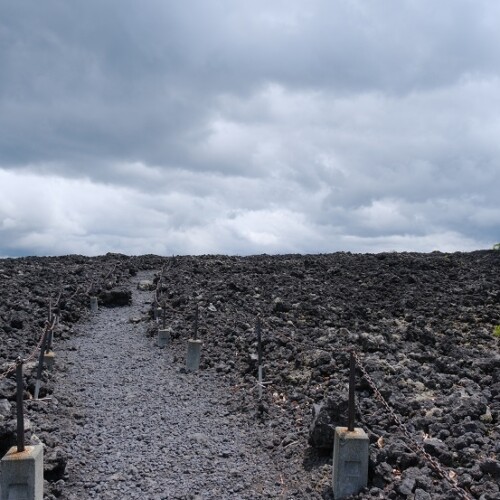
x=231, y=127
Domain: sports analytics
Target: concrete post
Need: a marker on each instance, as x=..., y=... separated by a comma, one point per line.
x=350, y=462
x=157, y=313
x=193, y=355
x=49, y=359
x=164, y=337
x=93, y=304
x=22, y=474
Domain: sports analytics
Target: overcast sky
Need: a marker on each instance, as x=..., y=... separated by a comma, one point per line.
x=243, y=127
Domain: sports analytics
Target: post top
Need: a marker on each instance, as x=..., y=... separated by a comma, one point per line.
x=357, y=433
x=29, y=451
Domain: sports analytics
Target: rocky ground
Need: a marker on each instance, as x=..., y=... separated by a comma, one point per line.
x=422, y=325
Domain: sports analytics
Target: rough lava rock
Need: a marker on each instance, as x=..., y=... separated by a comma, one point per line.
x=421, y=323
x=117, y=297
x=330, y=413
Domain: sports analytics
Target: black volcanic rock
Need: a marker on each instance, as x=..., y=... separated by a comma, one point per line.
x=116, y=297
x=327, y=415
x=421, y=323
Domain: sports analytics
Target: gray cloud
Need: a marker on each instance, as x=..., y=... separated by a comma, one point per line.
x=243, y=127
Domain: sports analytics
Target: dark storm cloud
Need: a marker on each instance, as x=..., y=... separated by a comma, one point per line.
x=124, y=80
x=362, y=125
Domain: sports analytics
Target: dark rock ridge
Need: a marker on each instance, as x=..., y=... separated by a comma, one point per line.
x=421, y=323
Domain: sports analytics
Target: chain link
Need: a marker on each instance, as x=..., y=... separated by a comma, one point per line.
x=411, y=443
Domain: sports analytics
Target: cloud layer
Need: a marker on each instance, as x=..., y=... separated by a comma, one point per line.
x=236, y=127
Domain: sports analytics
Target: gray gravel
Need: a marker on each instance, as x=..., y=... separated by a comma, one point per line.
x=145, y=429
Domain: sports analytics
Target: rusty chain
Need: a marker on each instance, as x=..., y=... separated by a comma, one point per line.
x=411, y=443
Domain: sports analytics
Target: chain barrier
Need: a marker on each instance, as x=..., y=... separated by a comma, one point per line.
x=12, y=367
x=411, y=443
x=50, y=324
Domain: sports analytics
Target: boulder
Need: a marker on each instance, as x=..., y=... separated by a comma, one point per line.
x=117, y=297
x=331, y=413
x=491, y=466
x=316, y=357
x=279, y=306
x=54, y=464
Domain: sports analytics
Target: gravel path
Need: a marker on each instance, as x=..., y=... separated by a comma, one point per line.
x=144, y=429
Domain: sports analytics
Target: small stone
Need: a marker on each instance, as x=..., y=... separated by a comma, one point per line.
x=487, y=417
x=5, y=408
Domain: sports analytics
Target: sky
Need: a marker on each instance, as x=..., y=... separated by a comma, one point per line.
x=238, y=127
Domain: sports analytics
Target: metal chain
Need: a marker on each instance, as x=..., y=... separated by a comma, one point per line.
x=12, y=367
x=411, y=442
x=49, y=325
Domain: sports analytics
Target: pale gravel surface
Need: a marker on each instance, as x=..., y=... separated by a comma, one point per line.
x=147, y=430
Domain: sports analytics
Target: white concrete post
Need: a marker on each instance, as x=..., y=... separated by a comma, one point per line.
x=164, y=337
x=22, y=474
x=193, y=355
x=350, y=462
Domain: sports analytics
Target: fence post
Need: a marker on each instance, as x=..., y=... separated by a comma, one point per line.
x=48, y=356
x=352, y=385
x=20, y=405
x=164, y=333
x=350, y=450
x=194, y=347
x=259, y=357
x=196, y=315
x=21, y=468
x=40, y=363
x=193, y=355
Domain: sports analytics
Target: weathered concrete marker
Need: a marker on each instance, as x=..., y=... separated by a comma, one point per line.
x=350, y=451
x=194, y=347
x=49, y=359
x=22, y=474
x=157, y=313
x=193, y=355
x=164, y=333
x=164, y=337
x=20, y=405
